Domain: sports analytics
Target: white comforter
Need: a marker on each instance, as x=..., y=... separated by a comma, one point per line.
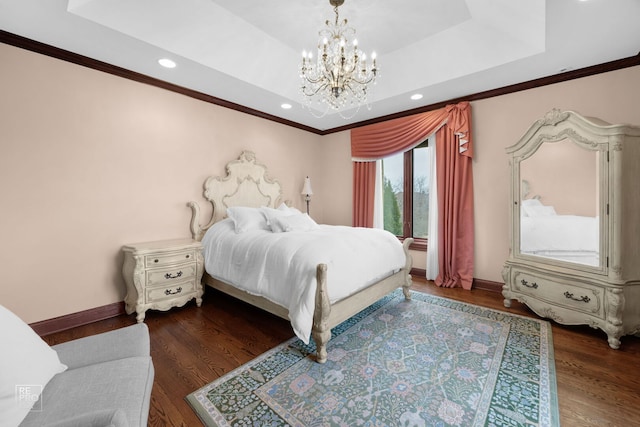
x=568, y=233
x=282, y=266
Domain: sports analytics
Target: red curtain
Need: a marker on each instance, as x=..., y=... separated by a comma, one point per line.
x=455, y=212
x=363, y=195
x=455, y=181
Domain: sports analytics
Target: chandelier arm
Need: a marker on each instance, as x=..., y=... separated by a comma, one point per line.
x=365, y=81
x=350, y=88
x=360, y=94
x=314, y=80
x=316, y=91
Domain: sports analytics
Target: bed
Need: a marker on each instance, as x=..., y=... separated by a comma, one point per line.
x=325, y=293
x=570, y=238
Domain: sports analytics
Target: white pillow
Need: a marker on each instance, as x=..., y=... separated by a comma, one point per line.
x=290, y=209
x=245, y=219
x=296, y=222
x=542, y=210
x=531, y=202
x=271, y=214
x=25, y=360
x=283, y=207
x=528, y=203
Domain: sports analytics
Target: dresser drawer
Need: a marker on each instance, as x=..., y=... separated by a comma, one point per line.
x=578, y=297
x=168, y=292
x=168, y=276
x=169, y=258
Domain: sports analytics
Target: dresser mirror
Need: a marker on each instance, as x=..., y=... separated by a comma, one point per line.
x=560, y=203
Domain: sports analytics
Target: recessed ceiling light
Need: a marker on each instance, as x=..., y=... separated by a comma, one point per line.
x=285, y=106
x=167, y=63
x=416, y=96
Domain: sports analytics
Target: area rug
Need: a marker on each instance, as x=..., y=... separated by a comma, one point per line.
x=429, y=361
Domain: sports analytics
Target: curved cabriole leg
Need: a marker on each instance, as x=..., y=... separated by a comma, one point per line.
x=506, y=288
x=320, y=331
x=406, y=286
x=614, y=342
x=140, y=316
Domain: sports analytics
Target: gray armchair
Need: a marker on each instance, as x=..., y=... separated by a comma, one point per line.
x=108, y=382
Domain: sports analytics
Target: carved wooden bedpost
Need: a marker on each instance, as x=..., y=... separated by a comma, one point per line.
x=196, y=230
x=321, y=332
x=409, y=263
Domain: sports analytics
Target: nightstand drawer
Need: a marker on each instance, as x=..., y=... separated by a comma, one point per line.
x=169, y=292
x=171, y=258
x=585, y=298
x=167, y=276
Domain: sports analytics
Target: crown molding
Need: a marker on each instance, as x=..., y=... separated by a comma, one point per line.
x=65, y=55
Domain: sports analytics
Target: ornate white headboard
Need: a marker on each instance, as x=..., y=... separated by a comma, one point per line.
x=246, y=184
x=525, y=189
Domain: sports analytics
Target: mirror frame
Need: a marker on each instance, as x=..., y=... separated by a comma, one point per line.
x=558, y=126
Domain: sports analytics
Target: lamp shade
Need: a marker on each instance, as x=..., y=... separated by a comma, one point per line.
x=306, y=188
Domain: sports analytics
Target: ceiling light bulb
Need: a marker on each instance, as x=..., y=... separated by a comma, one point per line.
x=167, y=63
x=416, y=96
x=285, y=106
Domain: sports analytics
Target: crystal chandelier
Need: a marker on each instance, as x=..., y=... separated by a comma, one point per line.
x=339, y=78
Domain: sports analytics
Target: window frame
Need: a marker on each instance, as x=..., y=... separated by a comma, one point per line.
x=419, y=244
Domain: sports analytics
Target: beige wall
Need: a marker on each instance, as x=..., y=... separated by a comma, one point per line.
x=91, y=161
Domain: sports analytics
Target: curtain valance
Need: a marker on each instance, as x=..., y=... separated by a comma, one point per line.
x=379, y=140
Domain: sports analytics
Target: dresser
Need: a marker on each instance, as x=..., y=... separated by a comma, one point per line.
x=575, y=223
x=162, y=274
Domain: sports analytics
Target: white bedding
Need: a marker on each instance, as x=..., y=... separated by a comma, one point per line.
x=282, y=266
x=560, y=236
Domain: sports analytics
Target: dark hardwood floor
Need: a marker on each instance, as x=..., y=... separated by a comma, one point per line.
x=192, y=346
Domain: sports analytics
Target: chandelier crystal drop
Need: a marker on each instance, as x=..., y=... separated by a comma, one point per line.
x=340, y=77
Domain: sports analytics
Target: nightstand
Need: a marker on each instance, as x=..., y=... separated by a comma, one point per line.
x=163, y=274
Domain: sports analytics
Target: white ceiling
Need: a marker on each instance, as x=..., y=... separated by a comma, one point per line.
x=248, y=51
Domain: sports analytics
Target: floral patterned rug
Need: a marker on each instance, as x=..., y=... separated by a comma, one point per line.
x=429, y=361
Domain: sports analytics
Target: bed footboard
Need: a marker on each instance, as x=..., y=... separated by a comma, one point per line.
x=326, y=316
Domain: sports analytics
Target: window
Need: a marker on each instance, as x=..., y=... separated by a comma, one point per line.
x=406, y=183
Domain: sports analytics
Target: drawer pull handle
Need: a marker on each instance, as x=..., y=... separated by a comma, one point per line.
x=170, y=292
x=186, y=256
x=533, y=285
x=174, y=276
x=156, y=260
x=569, y=295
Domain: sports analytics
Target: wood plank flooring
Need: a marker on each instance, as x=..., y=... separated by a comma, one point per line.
x=192, y=346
